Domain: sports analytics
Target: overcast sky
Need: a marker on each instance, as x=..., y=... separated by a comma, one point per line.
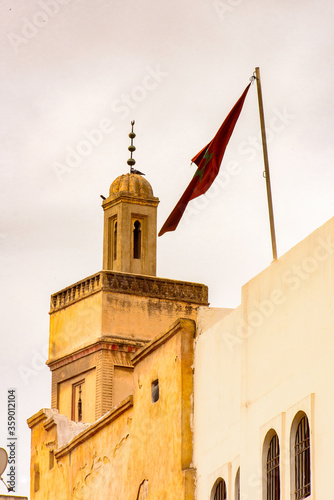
x=72, y=67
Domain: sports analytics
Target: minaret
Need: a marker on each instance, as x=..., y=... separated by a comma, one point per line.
x=130, y=223
x=99, y=322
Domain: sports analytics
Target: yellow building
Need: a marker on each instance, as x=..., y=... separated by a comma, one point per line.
x=121, y=357
x=157, y=396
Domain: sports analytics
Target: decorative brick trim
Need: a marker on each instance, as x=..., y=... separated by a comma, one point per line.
x=105, y=343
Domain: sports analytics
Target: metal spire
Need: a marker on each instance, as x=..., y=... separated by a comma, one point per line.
x=131, y=161
x=131, y=148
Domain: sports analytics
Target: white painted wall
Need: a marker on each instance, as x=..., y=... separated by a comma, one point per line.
x=258, y=365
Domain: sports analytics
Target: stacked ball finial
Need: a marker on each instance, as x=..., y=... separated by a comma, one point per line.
x=131, y=148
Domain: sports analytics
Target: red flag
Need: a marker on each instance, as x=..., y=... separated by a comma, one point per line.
x=208, y=161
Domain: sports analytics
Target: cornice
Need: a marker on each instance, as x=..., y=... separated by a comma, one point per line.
x=131, y=284
x=118, y=344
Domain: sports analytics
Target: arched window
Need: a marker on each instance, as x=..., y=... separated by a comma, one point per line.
x=137, y=240
x=302, y=460
x=237, y=485
x=273, y=479
x=219, y=490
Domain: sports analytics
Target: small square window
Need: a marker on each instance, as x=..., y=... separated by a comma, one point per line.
x=155, y=391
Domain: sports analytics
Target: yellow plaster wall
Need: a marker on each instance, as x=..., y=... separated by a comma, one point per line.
x=139, y=317
x=112, y=314
x=122, y=384
x=149, y=441
x=52, y=482
x=75, y=325
x=97, y=465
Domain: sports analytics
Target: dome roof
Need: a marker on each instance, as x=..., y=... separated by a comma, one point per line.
x=131, y=184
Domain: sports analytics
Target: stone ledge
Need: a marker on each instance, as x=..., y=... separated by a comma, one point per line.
x=133, y=284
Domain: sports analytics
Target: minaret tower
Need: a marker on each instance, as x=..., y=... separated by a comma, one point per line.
x=98, y=323
x=130, y=222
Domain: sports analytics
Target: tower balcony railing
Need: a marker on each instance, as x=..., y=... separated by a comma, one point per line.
x=134, y=284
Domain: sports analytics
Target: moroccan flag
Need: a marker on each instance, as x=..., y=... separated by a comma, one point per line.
x=208, y=161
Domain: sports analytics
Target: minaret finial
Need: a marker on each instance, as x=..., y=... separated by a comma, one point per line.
x=131, y=148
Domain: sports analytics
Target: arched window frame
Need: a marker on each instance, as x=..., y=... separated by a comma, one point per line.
x=300, y=458
x=271, y=466
x=137, y=238
x=219, y=490
x=115, y=235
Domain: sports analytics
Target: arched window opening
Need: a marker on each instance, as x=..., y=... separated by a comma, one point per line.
x=273, y=479
x=115, y=240
x=237, y=485
x=220, y=490
x=137, y=240
x=302, y=460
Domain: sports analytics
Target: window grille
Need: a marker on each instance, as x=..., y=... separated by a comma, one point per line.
x=220, y=492
x=302, y=460
x=78, y=401
x=273, y=480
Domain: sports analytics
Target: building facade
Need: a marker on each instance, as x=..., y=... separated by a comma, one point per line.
x=121, y=356
x=155, y=395
x=263, y=377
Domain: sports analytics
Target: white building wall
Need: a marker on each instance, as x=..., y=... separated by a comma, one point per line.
x=258, y=365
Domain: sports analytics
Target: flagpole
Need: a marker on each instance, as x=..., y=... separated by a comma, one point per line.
x=266, y=164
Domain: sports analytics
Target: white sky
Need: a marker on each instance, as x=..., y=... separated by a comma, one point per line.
x=67, y=70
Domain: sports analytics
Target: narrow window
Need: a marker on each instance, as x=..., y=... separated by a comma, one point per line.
x=137, y=240
x=237, y=485
x=302, y=460
x=51, y=459
x=78, y=401
x=36, y=477
x=155, y=391
x=273, y=480
x=220, y=490
x=115, y=240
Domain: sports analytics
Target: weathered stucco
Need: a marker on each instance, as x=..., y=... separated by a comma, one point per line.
x=137, y=442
